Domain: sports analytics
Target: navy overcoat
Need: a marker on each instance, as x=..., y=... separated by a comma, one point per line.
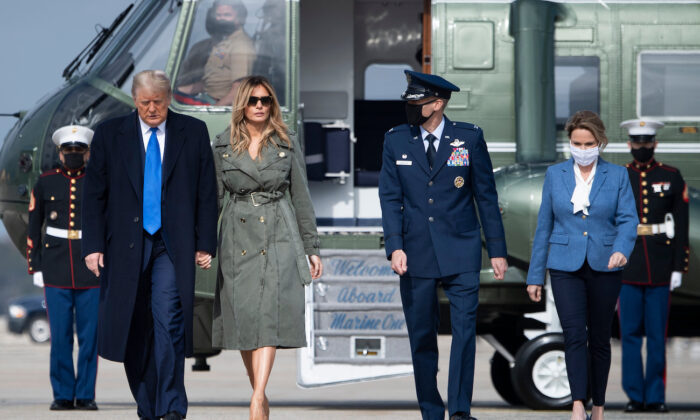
x=113, y=216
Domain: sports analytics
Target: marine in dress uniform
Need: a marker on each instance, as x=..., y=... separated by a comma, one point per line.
x=433, y=173
x=71, y=290
x=659, y=259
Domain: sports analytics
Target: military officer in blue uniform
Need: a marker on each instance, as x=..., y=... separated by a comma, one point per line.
x=656, y=267
x=435, y=172
x=71, y=290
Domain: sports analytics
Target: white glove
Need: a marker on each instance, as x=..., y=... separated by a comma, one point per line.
x=38, y=279
x=676, y=278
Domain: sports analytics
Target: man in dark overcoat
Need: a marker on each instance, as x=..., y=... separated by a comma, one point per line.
x=435, y=173
x=149, y=213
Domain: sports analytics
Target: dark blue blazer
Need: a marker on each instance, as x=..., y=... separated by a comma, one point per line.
x=564, y=240
x=113, y=216
x=431, y=215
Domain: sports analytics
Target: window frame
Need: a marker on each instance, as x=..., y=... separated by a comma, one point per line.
x=587, y=59
x=638, y=91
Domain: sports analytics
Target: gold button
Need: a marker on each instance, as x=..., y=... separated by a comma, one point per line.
x=644, y=219
x=686, y=260
x=72, y=189
x=47, y=245
x=31, y=268
x=430, y=201
x=72, y=197
x=72, y=205
x=68, y=173
x=30, y=260
x=430, y=184
x=52, y=198
x=645, y=192
x=262, y=219
x=646, y=201
x=668, y=242
x=244, y=252
x=661, y=195
x=72, y=181
x=583, y=216
x=644, y=174
x=644, y=183
x=646, y=210
x=585, y=233
x=72, y=215
x=263, y=252
x=71, y=224
x=242, y=219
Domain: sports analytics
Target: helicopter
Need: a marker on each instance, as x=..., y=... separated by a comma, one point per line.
x=338, y=70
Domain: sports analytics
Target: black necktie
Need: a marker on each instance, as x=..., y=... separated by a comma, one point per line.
x=431, y=152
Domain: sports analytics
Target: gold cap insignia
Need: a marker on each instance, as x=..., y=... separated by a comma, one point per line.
x=459, y=182
x=75, y=129
x=642, y=123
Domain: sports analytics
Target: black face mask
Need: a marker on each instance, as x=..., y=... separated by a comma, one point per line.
x=643, y=154
x=221, y=28
x=414, y=113
x=73, y=160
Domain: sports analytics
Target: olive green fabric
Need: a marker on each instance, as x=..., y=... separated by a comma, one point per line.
x=263, y=242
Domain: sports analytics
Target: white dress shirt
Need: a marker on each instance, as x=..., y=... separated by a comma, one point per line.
x=160, y=134
x=437, y=133
x=583, y=189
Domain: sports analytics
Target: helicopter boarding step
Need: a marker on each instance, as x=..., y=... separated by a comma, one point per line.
x=354, y=321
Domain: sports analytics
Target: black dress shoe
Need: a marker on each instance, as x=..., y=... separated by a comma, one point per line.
x=62, y=405
x=461, y=415
x=173, y=415
x=657, y=408
x=634, y=407
x=85, y=405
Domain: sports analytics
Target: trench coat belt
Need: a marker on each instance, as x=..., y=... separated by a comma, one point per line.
x=258, y=198
x=64, y=233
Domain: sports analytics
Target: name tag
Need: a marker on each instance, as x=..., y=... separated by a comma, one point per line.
x=404, y=162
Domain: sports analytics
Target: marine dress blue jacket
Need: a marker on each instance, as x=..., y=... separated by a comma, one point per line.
x=564, y=240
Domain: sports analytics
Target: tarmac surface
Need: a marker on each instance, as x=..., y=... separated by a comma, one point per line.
x=223, y=393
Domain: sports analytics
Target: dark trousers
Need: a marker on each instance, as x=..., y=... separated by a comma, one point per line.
x=644, y=311
x=155, y=354
x=65, y=306
x=585, y=301
x=421, y=310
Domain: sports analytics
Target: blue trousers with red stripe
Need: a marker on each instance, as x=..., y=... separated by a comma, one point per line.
x=644, y=311
x=66, y=307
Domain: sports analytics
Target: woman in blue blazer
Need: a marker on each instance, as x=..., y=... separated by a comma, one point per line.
x=586, y=228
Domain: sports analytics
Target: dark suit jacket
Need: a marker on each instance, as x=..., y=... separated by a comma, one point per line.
x=113, y=216
x=431, y=214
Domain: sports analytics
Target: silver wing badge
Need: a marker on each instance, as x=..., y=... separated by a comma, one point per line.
x=456, y=143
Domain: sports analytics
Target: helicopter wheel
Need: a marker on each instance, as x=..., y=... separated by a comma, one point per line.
x=539, y=374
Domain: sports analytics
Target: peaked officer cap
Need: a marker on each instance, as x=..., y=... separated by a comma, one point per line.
x=422, y=85
x=72, y=135
x=642, y=130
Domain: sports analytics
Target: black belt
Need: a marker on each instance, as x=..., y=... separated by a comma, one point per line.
x=258, y=198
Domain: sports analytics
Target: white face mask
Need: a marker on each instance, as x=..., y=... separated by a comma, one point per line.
x=584, y=157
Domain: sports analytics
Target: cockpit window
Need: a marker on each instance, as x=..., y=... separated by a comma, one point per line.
x=146, y=47
x=230, y=40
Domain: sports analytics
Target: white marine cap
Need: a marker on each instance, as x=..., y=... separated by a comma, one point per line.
x=641, y=127
x=72, y=134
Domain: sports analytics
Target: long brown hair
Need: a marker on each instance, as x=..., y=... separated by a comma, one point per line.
x=588, y=120
x=240, y=137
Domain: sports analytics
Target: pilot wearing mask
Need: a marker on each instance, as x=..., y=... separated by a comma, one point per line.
x=232, y=58
x=54, y=259
x=656, y=266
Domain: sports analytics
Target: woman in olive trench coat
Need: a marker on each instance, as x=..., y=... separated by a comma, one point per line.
x=268, y=227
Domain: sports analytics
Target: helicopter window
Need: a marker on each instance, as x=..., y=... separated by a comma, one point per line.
x=576, y=86
x=229, y=40
x=147, y=47
x=669, y=85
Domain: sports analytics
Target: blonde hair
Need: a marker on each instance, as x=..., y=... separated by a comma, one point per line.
x=155, y=80
x=240, y=137
x=588, y=120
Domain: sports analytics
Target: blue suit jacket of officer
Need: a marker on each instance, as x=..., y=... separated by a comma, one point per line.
x=430, y=214
x=564, y=239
